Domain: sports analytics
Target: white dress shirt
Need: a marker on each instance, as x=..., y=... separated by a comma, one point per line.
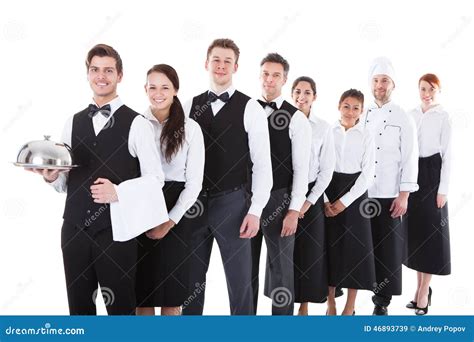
x=141, y=205
x=255, y=124
x=323, y=156
x=434, y=136
x=354, y=153
x=187, y=165
x=396, y=150
x=300, y=136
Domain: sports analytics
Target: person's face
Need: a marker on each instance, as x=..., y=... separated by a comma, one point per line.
x=428, y=93
x=303, y=96
x=221, y=65
x=103, y=76
x=382, y=87
x=272, y=78
x=160, y=91
x=350, y=109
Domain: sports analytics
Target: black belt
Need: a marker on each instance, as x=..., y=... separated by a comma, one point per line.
x=210, y=193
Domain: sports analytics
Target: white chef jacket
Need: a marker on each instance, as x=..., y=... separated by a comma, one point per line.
x=141, y=205
x=434, y=136
x=323, y=156
x=187, y=165
x=396, y=150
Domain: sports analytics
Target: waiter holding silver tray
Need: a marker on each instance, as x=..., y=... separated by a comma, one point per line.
x=113, y=185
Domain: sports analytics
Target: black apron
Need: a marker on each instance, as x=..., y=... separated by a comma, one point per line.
x=427, y=245
x=349, y=239
x=311, y=281
x=162, y=268
x=388, y=240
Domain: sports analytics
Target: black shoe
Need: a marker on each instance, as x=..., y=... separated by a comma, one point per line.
x=424, y=311
x=411, y=305
x=380, y=310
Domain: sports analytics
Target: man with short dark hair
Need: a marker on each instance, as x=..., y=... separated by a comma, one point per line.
x=290, y=145
x=112, y=197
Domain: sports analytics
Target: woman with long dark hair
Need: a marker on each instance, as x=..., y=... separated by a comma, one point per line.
x=427, y=241
x=162, y=267
x=311, y=281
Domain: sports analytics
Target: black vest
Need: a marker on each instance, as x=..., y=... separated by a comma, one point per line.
x=106, y=156
x=280, y=145
x=226, y=142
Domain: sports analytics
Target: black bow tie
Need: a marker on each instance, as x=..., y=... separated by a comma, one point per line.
x=264, y=104
x=224, y=97
x=104, y=110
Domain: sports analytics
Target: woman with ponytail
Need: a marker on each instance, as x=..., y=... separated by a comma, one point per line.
x=162, y=269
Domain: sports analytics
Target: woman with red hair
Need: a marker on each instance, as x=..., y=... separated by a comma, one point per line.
x=427, y=240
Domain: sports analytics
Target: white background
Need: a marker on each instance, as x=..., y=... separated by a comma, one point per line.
x=43, y=45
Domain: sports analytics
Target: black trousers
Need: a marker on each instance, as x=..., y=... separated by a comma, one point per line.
x=279, y=271
x=92, y=258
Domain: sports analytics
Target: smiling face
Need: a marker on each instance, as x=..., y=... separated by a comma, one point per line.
x=272, y=78
x=221, y=65
x=428, y=93
x=351, y=110
x=103, y=78
x=303, y=96
x=160, y=92
x=382, y=87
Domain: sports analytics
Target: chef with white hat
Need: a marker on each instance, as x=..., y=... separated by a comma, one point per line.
x=396, y=171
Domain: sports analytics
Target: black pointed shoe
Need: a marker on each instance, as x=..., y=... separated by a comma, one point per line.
x=380, y=310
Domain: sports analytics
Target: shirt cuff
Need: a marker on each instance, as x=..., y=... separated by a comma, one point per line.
x=443, y=188
x=410, y=187
x=176, y=213
x=347, y=199
x=296, y=203
x=311, y=198
x=255, y=210
x=326, y=199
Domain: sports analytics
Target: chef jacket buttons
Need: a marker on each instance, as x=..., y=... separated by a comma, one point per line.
x=88, y=211
x=376, y=162
x=390, y=111
x=380, y=133
x=384, y=121
x=375, y=176
x=378, y=148
x=94, y=144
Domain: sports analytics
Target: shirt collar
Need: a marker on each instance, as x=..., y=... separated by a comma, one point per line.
x=230, y=90
x=358, y=126
x=386, y=105
x=279, y=101
x=312, y=115
x=115, y=104
x=436, y=109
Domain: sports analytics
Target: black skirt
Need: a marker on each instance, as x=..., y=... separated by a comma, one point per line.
x=427, y=236
x=349, y=239
x=311, y=280
x=162, y=268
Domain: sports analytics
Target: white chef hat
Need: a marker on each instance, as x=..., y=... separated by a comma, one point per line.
x=382, y=66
